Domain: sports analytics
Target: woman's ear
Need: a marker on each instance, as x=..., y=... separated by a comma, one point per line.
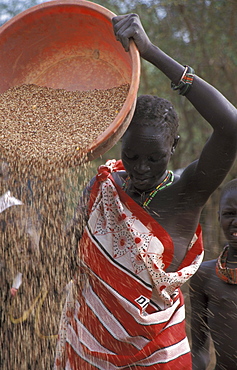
x=175, y=143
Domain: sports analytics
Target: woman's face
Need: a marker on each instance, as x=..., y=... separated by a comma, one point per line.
x=228, y=216
x=145, y=155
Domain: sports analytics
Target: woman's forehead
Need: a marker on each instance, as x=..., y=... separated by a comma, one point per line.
x=147, y=135
x=229, y=198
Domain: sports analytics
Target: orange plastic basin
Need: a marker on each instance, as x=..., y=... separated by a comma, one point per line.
x=69, y=44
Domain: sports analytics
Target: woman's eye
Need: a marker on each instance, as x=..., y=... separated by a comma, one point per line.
x=229, y=213
x=156, y=159
x=131, y=157
x=151, y=159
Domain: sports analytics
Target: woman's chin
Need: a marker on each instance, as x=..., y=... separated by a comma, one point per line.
x=142, y=185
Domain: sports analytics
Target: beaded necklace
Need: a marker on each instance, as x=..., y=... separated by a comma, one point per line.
x=227, y=274
x=166, y=182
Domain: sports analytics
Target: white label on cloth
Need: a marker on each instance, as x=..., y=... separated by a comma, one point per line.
x=6, y=201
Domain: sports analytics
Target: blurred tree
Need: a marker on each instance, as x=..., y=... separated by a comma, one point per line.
x=9, y=8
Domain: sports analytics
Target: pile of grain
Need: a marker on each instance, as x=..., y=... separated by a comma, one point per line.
x=41, y=126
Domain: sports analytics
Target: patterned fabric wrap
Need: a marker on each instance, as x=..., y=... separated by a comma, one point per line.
x=129, y=313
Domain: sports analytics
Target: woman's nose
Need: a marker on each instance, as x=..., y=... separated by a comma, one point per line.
x=234, y=220
x=141, y=167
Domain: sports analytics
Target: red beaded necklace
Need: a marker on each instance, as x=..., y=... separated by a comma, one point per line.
x=227, y=274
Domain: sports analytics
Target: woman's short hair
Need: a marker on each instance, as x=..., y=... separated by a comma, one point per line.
x=229, y=186
x=156, y=111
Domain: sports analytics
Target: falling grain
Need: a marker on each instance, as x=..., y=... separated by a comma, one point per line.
x=44, y=136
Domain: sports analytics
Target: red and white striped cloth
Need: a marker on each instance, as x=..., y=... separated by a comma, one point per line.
x=129, y=313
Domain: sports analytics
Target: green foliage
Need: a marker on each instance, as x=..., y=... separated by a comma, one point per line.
x=9, y=8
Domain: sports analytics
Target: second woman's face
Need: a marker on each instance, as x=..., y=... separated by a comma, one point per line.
x=145, y=155
x=228, y=216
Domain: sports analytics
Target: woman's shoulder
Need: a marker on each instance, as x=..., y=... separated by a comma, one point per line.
x=206, y=265
x=204, y=273
x=207, y=268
